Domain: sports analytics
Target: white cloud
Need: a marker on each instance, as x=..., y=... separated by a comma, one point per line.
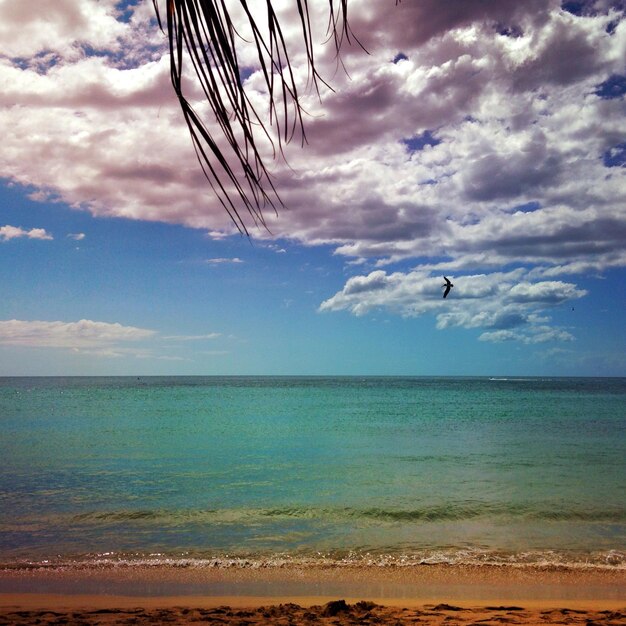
x=120, y=352
x=51, y=31
x=192, y=337
x=100, y=339
x=76, y=236
x=83, y=334
x=547, y=292
x=223, y=261
x=542, y=334
x=498, y=336
x=56, y=26
x=14, y=232
x=507, y=303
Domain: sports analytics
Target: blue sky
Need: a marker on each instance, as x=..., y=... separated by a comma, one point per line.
x=116, y=259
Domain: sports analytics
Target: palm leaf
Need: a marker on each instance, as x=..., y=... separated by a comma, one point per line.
x=203, y=35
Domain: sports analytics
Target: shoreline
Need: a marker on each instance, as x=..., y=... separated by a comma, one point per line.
x=420, y=582
x=426, y=594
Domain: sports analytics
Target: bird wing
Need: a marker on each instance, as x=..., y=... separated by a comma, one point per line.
x=447, y=291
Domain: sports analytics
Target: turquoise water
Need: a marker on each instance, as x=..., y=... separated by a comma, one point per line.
x=253, y=469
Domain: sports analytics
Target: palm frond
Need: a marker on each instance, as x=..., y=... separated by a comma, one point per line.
x=202, y=34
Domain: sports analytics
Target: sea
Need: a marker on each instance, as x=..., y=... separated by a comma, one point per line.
x=252, y=471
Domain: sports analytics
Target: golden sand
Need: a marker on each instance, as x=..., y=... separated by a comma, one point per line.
x=313, y=595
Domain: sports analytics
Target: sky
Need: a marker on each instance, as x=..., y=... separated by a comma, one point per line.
x=484, y=141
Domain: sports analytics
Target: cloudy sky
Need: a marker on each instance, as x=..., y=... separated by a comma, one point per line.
x=483, y=140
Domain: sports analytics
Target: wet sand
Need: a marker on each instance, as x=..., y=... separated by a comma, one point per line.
x=310, y=595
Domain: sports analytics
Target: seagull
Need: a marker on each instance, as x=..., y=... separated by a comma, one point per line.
x=448, y=286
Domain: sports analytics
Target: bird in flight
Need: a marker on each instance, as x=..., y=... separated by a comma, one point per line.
x=448, y=286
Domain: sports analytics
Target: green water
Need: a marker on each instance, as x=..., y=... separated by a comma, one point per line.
x=383, y=469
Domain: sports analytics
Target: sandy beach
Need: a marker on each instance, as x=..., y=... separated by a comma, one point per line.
x=332, y=595
x=306, y=500
x=335, y=612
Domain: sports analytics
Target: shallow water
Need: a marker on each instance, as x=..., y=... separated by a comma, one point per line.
x=265, y=468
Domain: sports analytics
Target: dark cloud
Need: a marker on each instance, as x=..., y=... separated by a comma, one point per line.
x=556, y=241
x=413, y=24
x=553, y=64
x=373, y=220
x=355, y=117
x=157, y=173
x=502, y=175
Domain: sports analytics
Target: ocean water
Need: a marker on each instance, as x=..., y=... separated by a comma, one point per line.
x=255, y=470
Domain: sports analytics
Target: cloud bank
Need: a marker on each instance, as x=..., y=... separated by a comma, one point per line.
x=482, y=139
x=505, y=303
x=84, y=334
x=102, y=339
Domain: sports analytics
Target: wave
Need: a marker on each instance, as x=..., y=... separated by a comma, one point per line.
x=539, y=559
x=443, y=513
